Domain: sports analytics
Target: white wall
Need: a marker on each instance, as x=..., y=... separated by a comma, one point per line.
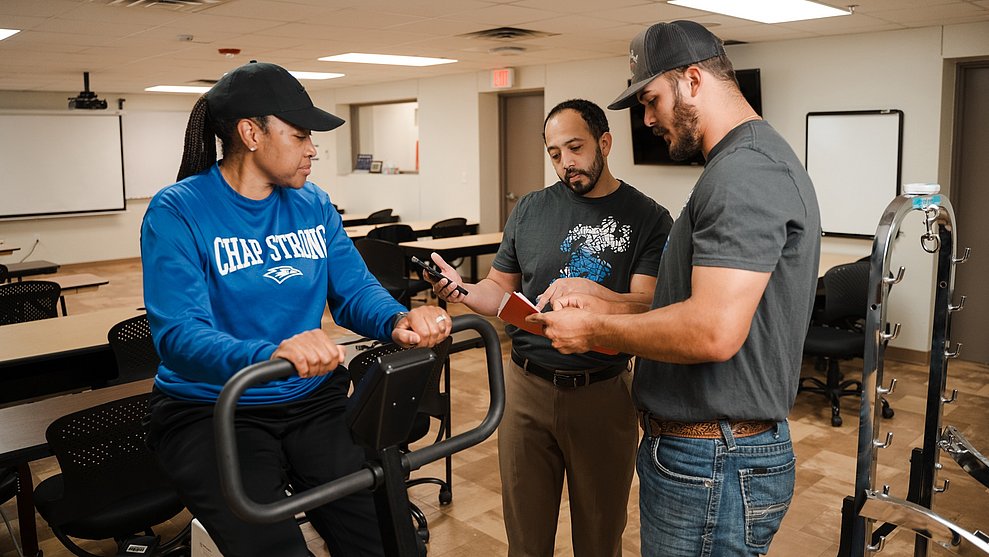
x=899, y=69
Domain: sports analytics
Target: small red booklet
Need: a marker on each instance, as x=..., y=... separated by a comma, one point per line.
x=515, y=307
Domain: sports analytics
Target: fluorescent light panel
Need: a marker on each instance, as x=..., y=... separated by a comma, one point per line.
x=764, y=11
x=387, y=59
x=177, y=89
x=200, y=90
x=316, y=75
x=5, y=33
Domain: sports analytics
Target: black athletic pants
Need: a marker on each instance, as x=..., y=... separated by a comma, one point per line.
x=297, y=445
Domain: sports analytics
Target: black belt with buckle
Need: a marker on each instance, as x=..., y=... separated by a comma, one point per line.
x=569, y=380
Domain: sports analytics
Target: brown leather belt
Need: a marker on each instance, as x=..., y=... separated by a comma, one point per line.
x=655, y=427
x=572, y=379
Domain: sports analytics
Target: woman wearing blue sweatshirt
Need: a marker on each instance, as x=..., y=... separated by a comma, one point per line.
x=240, y=258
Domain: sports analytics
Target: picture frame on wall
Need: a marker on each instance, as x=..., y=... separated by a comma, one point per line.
x=375, y=167
x=363, y=163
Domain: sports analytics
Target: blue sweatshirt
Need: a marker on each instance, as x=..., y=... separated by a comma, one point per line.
x=227, y=278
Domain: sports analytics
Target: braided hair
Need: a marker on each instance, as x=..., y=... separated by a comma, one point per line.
x=199, y=152
x=201, y=133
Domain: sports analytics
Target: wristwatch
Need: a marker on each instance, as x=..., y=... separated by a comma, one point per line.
x=398, y=317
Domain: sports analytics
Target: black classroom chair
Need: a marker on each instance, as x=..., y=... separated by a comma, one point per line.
x=110, y=486
x=28, y=300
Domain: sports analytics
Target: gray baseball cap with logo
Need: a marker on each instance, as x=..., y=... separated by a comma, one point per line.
x=663, y=47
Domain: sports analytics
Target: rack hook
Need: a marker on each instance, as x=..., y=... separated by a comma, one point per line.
x=893, y=279
x=889, y=441
x=885, y=391
x=878, y=547
x=954, y=397
x=959, y=307
x=958, y=350
x=963, y=258
x=943, y=488
x=888, y=335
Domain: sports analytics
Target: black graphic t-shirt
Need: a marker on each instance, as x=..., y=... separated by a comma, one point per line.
x=554, y=233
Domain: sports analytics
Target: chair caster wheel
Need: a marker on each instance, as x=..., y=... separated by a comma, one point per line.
x=835, y=421
x=423, y=534
x=887, y=412
x=446, y=496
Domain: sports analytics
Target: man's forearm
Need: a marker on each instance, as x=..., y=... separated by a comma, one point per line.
x=485, y=296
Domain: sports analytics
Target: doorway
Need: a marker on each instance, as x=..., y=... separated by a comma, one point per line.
x=521, y=147
x=970, y=197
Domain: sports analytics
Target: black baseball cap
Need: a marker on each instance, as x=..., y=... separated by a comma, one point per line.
x=263, y=89
x=663, y=47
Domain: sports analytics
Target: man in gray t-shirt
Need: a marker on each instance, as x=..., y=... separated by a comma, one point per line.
x=720, y=351
x=569, y=415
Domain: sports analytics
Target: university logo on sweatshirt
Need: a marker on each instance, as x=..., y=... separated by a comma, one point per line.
x=232, y=254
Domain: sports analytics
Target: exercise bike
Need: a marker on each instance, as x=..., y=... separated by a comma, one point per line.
x=380, y=414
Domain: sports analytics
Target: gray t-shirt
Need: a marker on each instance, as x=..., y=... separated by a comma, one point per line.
x=753, y=208
x=555, y=233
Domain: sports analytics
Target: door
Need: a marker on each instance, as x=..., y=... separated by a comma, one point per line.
x=970, y=198
x=522, y=149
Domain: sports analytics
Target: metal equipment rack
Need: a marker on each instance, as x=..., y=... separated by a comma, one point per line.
x=861, y=532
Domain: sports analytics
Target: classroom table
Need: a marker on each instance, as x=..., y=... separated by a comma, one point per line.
x=458, y=246
x=420, y=227
x=7, y=249
x=30, y=269
x=65, y=353
x=74, y=284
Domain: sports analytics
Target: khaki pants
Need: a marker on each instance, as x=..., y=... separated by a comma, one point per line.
x=588, y=434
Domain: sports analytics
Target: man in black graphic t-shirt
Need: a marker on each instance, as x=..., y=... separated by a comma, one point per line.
x=569, y=415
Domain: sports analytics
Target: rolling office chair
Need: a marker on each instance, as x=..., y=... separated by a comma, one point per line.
x=4, y=273
x=450, y=228
x=387, y=263
x=110, y=485
x=434, y=404
x=380, y=217
x=28, y=300
x=134, y=350
x=836, y=334
x=8, y=489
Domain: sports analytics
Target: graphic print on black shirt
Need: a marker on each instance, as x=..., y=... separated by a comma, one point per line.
x=586, y=245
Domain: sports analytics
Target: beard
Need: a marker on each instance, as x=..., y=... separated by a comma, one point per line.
x=685, y=142
x=593, y=174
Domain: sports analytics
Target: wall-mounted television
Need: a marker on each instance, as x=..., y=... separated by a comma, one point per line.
x=648, y=148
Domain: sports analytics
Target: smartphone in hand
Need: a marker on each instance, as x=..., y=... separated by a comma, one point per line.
x=434, y=274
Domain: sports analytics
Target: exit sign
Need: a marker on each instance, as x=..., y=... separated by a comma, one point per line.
x=503, y=78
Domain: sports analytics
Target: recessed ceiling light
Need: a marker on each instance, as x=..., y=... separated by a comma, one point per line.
x=4, y=33
x=765, y=11
x=177, y=89
x=389, y=59
x=316, y=75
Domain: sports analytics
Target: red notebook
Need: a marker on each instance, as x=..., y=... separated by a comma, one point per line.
x=515, y=307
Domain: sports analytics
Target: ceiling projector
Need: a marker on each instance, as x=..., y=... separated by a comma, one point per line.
x=87, y=99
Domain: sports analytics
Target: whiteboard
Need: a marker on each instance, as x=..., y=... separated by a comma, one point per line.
x=152, y=150
x=58, y=163
x=853, y=158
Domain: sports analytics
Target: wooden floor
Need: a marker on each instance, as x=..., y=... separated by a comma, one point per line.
x=472, y=524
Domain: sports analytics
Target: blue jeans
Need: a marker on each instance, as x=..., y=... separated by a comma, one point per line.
x=714, y=497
